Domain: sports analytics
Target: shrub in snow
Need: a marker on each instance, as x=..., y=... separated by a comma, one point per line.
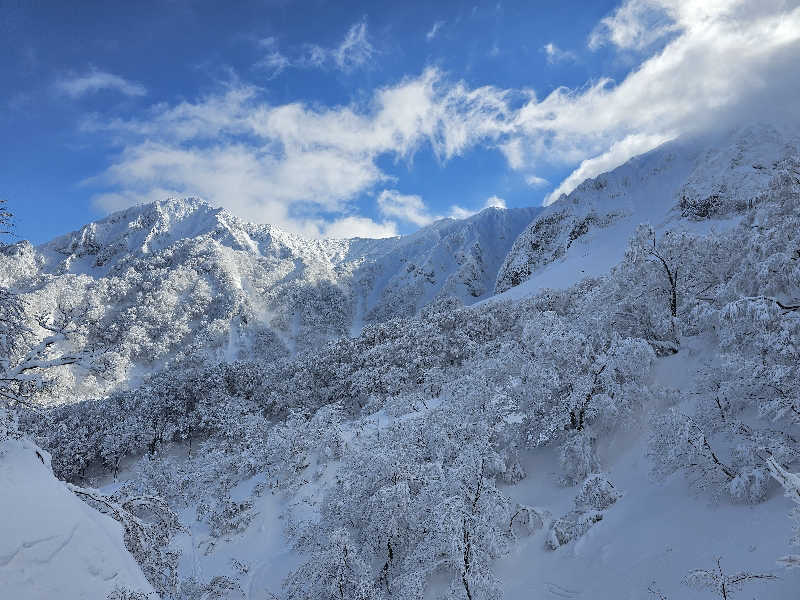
x=527, y=520
x=225, y=517
x=218, y=588
x=595, y=495
x=570, y=527
x=149, y=526
x=127, y=594
x=791, y=485
x=678, y=443
x=724, y=585
x=9, y=427
x=336, y=570
x=597, y=492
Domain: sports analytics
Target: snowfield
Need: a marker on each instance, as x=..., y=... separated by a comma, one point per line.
x=598, y=399
x=53, y=545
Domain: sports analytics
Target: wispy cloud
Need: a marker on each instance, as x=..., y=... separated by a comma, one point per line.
x=353, y=52
x=557, y=55
x=536, y=181
x=409, y=208
x=458, y=212
x=636, y=24
x=350, y=227
x=495, y=202
x=434, y=30
x=298, y=162
x=677, y=89
x=273, y=61
x=95, y=80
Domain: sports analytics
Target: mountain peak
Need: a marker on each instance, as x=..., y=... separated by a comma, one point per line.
x=140, y=229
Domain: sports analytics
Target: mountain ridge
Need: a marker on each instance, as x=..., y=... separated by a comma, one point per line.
x=180, y=280
x=687, y=183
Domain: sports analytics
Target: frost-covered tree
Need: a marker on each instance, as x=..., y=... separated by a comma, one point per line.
x=24, y=362
x=335, y=572
x=747, y=411
x=663, y=270
x=149, y=526
x=394, y=448
x=724, y=585
x=578, y=384
x=678, y=443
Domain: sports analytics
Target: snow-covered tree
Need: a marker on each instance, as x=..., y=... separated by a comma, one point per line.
x=149, y=525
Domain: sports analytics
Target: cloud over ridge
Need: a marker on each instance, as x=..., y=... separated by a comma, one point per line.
x=294, y=164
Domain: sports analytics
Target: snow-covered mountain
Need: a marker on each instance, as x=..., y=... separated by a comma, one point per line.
x=625, y=435
x=688, y=183
x=457, y=257
x=181, y=279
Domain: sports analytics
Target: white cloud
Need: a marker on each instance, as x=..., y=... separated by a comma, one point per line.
x=289, y=164
x=297, y=162
x=636, y=24
x=495, y=202
x=681, y=88
x=354, y=51
x=349, y=227
x=434, y=30
x=273, y=61
x=95, y=81
x=613, y=157
x=458, y=212
x=411, y=208
x=536, y=181
x=313, y=56
x=408, y=208
x=556, y=54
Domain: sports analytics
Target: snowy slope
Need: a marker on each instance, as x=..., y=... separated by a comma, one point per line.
x=53, y=545
x=656, y=533
x=690, y=184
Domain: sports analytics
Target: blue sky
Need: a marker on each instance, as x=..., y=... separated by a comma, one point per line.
x=344, y=118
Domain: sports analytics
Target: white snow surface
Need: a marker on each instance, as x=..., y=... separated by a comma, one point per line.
x=459, y=257
x=52, y=544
